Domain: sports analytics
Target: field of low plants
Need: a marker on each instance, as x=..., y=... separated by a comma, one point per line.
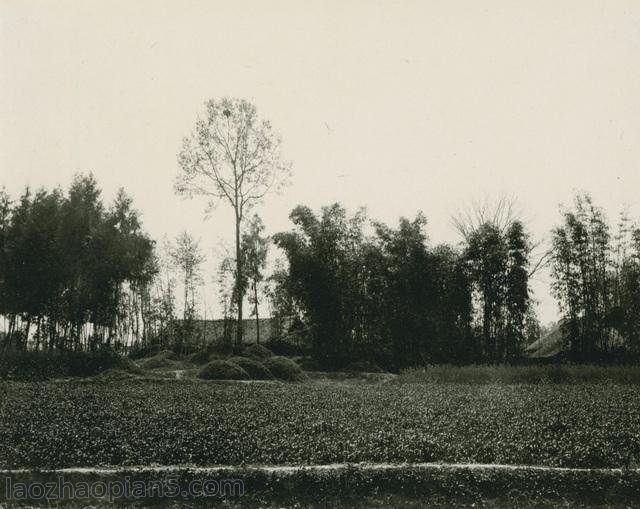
x=525, y=374
x=192, y=421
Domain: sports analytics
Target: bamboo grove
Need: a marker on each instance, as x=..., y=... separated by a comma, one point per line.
x=388, y=297
x=596, y=280
x=74, y=274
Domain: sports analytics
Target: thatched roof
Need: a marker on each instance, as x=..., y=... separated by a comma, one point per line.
x=549, y=345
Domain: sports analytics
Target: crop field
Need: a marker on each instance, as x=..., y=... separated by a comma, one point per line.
x=172, y=422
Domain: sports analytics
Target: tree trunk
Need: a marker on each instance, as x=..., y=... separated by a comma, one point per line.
x=239, y=288
x=186, y=298
x=27, y=329
x=8, y=337
x=204, y=328
x=486, y=328
x=38, y=333
x=255, y=295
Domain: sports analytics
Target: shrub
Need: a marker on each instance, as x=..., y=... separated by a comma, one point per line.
x=163, y=359
x=256, y=370
x=285, y=369
x=222, y=370
x=258, y=351
x=170, y=354
x=202, y=357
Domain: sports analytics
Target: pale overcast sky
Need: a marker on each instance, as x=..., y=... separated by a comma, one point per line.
x=396, y=105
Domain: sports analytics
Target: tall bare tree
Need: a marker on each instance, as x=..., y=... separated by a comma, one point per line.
x=232, y=156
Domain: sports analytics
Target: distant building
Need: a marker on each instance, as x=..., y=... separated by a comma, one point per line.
x=547, y=346
x=553, y=344
x=211, y=331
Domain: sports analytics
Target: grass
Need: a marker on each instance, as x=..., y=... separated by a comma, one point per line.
x=134, y=422
x=534, y=374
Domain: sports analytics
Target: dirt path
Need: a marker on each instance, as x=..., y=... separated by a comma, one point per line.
x=285, y=469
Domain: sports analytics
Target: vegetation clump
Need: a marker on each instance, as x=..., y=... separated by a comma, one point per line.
x=163, y=359
x=258, y=351
x=222, y=370
x=256, y=369
x=202, y=357
x=285, y=369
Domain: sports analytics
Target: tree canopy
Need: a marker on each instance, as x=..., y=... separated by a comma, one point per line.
x=67, y=262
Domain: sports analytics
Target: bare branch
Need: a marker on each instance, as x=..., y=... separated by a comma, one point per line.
x=542, y=262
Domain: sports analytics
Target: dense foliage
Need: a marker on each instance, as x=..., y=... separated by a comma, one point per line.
x=597, y=281
x=497, y=260
x=177, y=422
x=73, y=273
x=391, y=298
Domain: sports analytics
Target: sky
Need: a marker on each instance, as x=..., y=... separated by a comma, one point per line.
x=398, y=106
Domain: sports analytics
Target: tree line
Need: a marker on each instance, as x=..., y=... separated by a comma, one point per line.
x=369, y=291
x=78, y=274
x=74, y=273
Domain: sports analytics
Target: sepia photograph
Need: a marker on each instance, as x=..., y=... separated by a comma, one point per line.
x=320, y=254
